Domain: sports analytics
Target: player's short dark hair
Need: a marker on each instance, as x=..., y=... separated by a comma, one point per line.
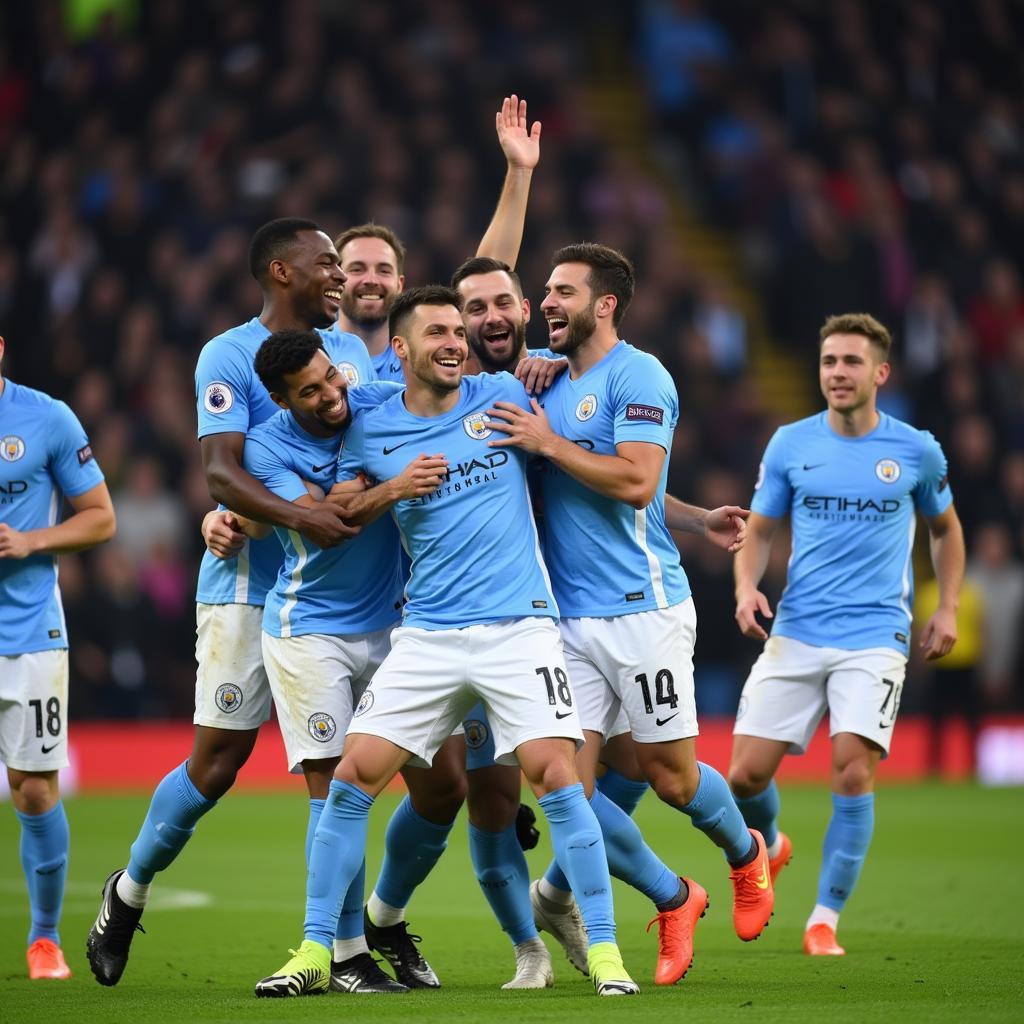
x=429, y=295
x=486, y=265
x=371, y=230
x=611, y=273
x=863, y=324
x=274, y=241
x=282, y=353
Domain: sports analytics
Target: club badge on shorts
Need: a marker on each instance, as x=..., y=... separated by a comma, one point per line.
x=228, y=698
x=322, y=727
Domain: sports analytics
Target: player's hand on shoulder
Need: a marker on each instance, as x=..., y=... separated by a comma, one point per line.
x=537, y=374
x=519, y=143
x=530, y=431
x=726, y=527
x=939, y=635
x=221, y=533
x=423, y=475
x=325, y=525
x=748, y=606
x=14, y=543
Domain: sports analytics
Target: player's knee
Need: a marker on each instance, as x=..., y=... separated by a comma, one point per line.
x=35, y=794
x=442, y=803
x=674, y=785
x=746, y=781
x=854, y=778
x=491, y=810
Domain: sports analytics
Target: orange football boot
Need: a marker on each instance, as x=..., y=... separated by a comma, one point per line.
x=45, y=960
x=753, y=896
x=782, y=858
x=820, y=940
x=675, y=935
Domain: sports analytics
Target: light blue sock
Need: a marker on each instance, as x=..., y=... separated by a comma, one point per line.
x=339, y=845
x=713, y=810
x=846, y=845
x=350, y=922
x=44, y=858
x=316, y=808
x=412, y=846
x=629, y=857
x=579, y=848
x=173, y=812
x=762, y=811
x=624, y=793
x=504, y=877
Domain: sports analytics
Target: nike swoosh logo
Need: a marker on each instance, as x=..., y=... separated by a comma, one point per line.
x=817, y=465
x=663, y=721
x=320, y=469
x=46, y=750
x=762, y=882
x=562, y=714
x=388, y=451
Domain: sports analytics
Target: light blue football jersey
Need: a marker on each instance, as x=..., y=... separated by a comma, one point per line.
x=44, y=454
x=605, y=557
x=230, y=398
x=388, y=366
x=355, y=587
x=473, y=542
x=852, y=503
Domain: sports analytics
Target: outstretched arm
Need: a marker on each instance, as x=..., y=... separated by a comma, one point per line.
x=725, y=527
x=504, y=235
x=946, y=540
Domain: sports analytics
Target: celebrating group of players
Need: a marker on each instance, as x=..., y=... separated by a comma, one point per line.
x=465, y=577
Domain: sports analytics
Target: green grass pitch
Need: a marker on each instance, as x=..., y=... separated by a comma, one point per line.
x=933, y=933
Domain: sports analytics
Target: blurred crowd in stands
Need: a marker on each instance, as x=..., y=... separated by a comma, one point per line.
x=861, y=156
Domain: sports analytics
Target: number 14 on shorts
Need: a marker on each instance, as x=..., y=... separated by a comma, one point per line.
x=664, y=693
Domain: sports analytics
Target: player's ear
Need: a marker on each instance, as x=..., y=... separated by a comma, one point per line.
x=279, y=399
x=605, y=306
x=526, y=311
x=278, y=271
x=399, y=345
x=882, y=372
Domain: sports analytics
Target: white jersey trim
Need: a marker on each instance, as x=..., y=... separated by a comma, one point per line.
x=908, y=568
x=657, y=580
x=291, y=592
x=242, y=575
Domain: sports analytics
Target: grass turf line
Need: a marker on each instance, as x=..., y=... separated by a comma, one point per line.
x=934, y=931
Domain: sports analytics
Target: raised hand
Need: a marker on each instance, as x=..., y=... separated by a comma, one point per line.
x=520, y=146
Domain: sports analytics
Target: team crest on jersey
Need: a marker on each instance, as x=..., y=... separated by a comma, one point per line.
x=12, y=448
x=887, y=470
x=228, y=698
x=477, y=425
x=349, y=372
x=322, y=727
x=587, y=407
x=218, y=397
x=365, y=703
x=476, y=733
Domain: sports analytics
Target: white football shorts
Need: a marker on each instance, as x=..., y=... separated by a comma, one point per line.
x=317, y=681
x=792, y=684
x=232, y=690
x=432, y=678
x=640, y=664
x=34, y=710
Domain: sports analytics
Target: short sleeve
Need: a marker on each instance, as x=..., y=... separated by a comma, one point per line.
x=932, y=494
x=512, y=390
x=773, y=493
x=71, y=460
x=261, y=460
x=646, y=404
x=369, y=396
x=352, y=459
x=349, y=354
x=222, y=390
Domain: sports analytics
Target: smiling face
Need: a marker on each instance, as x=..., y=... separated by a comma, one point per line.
x=315, y=279
x=371, y=267
x=495, y=316
x=317, y=396
x=568, y=308
x=433, y=347
x=850, y=371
